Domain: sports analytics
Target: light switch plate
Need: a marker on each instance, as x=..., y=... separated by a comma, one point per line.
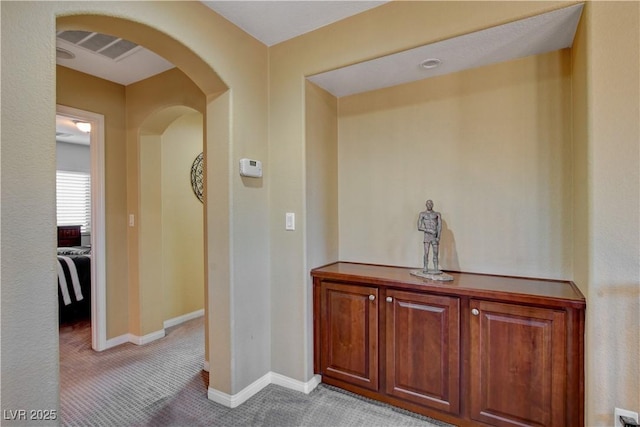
x=290, y=221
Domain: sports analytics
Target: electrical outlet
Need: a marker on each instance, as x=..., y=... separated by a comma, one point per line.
x=616, y=415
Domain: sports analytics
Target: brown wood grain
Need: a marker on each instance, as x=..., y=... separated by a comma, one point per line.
x=516, y=361
x=422, y=348
x=349, y=333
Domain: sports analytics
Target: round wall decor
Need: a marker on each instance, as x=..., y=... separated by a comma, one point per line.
x=197, y=176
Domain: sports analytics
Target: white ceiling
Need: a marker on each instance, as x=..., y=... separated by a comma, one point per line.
x=134, y=65
x=532, y=36
x=273, y=21
x=67, y=131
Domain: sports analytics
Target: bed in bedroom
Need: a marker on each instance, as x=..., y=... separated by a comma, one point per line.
x=74, y=275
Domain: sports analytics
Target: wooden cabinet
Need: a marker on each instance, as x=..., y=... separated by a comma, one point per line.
x=517, y=365
x=350, y=338
x=423, y=348
x=481, y=350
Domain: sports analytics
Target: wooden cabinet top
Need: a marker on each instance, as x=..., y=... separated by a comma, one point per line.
x=556, y=293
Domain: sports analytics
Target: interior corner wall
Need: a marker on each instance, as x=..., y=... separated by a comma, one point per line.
x=490, y=146
x=217, y=250
x=580, y=151
x=182, y=219
x=321, y=151
x=610, y=54
x=85, y=92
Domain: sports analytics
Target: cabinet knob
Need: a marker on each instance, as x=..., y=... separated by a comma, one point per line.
x=389, y=299
x=372, y=297
x=475, y=311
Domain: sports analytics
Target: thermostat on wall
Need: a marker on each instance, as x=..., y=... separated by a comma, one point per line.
x=252, y=168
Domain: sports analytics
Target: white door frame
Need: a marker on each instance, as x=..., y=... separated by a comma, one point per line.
x=98, y=236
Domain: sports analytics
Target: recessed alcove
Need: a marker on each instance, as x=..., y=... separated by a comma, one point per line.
x=491, y=145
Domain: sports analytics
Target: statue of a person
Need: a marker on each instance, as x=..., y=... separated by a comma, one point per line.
x=430, y=223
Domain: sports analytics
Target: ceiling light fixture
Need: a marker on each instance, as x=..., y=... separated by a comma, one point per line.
x=83, y=126
x=64, y=53
x=430, y=63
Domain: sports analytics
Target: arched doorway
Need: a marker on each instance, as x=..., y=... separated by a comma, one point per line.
x=216, y=112
x=236, y=125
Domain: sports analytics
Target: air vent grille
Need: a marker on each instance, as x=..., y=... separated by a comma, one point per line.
x=74, y=36
x=118, y=49
x=106, y=45
x=97, y=42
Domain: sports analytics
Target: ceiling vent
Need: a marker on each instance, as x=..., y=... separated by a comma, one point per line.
x=110, y=46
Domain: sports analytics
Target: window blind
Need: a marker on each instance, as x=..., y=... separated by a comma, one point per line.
x=73, y=199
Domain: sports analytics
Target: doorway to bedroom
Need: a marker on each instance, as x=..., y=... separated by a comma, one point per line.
x=80, y=221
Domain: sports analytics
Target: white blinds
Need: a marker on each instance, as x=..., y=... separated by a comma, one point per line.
x=73, y=196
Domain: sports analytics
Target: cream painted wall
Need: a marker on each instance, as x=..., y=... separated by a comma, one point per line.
x=171, y=219
x=491, y=146
x=392, y=27
x=321, y=166
x=607, y=64
x=182, y=219
x=150, y=223
x=152, y=105
x=79, y=90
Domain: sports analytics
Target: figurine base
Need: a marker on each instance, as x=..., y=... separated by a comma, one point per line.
x=432, y=275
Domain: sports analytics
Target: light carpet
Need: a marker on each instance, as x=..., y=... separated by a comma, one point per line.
x=162, y=384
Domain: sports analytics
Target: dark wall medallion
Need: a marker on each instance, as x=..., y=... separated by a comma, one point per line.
x=197, y=176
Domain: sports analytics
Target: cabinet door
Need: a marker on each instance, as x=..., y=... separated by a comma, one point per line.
x=518, y=365
x=423, y=349
x=349, y=331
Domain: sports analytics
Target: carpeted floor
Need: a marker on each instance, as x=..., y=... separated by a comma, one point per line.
x=162, y=384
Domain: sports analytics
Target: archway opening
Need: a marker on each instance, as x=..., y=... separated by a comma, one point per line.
x=123, y=198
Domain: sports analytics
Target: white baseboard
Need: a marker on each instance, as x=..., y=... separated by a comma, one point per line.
x=233, y=401
x=184, y=318
x=238, y=399
x=205, y=366
x=296, y=385
x=113, y=342
x=146, y=338
x=137, y=340
x=134, y=339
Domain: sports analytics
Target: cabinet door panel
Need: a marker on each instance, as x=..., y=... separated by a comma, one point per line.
x=422, y=349
x=350, y=334
x=518, y=365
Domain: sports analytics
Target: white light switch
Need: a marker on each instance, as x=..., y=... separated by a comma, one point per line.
x=132, y=220
x=290, y=221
